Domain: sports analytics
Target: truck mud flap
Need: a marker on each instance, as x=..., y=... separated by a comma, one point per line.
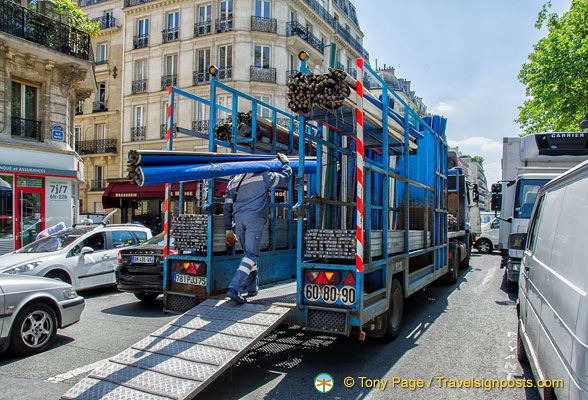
x=328, y=320
x=180, y=302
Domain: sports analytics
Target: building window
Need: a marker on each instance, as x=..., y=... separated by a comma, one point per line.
x=261, y=110
x=225, y=21
x=225, y=101
x=292, y=16
x=202, y=27
x=100, y=131
x=79, y=107
x=201, y=115
x=170, y=71
x=102, y=53
x=262, y=57
x=98, y=181
x=138, y=130
x=142, y=37
x=78, y=134
x=262, y=9
x=201, y=74
x=225, y=62
x=139, y=85
x=100, y=104
x=24, y=109
x=170, y=33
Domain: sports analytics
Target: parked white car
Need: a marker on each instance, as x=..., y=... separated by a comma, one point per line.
x=85, y=256
x=488, y=239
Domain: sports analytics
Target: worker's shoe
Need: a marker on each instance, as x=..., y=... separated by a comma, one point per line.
x=233, y=294
x=252, y=294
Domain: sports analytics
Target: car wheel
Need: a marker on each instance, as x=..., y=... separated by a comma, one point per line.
x=484, y=246
x=60, y=276
x=146, y=297
x=394, y=320
x=34, y=329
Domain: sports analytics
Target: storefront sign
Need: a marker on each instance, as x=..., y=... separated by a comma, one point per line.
x=125, y=195
x=58, y=191
x=37, y=171
x=57, y=133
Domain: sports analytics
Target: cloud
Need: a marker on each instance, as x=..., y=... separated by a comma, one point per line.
x=442, y=108
x=489, y=149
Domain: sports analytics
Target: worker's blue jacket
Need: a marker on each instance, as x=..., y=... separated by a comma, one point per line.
x=252, y=195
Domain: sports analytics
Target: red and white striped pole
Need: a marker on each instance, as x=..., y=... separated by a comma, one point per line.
x=167, y=186
x=359, y=164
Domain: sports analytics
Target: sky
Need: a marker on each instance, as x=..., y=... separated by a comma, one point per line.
x=463, y=58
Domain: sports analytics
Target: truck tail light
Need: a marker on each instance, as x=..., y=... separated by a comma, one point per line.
x=323, y=277
x=311, y=276
x=190, y=268
x=349, y=279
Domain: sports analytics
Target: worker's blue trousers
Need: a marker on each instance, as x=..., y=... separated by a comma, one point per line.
x=249, y=231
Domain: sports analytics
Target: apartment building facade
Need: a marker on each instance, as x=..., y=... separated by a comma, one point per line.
x=44, y=71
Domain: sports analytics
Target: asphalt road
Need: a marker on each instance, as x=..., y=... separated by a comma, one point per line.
x=454, y=332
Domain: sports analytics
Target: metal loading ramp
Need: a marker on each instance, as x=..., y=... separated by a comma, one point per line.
x=180, y=359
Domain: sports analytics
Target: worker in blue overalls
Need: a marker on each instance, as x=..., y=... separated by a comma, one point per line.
x=247, y=204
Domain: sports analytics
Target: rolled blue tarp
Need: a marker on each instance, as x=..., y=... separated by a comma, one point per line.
x=157, y=157
x=153, y=175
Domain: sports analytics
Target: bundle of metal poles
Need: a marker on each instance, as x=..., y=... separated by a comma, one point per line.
x=150, y=167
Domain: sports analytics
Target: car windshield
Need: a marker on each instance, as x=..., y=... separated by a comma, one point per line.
x=526, y=194
x=54, y=242
x=158, y=240
x=485, y=218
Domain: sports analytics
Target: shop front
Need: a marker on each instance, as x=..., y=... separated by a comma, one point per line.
x=145, y=204
x=35, y=196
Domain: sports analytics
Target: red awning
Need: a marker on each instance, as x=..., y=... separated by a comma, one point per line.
x=128, y=190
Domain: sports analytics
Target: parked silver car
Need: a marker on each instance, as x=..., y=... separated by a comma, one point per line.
x=31, y=310
x=84, y=256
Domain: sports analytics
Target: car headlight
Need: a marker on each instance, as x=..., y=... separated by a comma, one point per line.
x=70, y=293
x=22, y=268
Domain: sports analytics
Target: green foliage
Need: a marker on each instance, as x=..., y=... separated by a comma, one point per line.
x=479, y=159
x=556, y=74
x=75, y=16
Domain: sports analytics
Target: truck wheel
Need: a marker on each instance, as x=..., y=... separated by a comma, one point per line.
x=521, y=354
x=453, y=276
x=484, y=246
x=394, y=320
x=146, y=297
x=465, y=264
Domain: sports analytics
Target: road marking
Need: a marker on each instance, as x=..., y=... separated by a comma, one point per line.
x=75, y=372
x=415, y=329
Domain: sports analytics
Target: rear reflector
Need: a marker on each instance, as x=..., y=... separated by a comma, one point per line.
x=350, y=279
x=322, y=279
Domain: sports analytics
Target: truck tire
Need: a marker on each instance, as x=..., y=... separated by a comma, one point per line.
x=394, y=318
x=484, y=246
x=465, y=264
x=453, y=263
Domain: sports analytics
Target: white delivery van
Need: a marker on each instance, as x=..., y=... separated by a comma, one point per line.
x=488, y=239
x=553, y=305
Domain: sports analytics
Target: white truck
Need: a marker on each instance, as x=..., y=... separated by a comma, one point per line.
x=528, y=163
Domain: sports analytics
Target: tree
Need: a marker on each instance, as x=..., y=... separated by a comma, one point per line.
x=556, y=75
x=479, y=159
x=76, y=18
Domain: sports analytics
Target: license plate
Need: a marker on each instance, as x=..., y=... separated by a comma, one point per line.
x=142, y=260
x=190, y=280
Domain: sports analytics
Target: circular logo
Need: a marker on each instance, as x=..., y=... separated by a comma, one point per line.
x=323, y=383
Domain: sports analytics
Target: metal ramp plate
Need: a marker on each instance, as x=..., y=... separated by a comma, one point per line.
x=180, y=359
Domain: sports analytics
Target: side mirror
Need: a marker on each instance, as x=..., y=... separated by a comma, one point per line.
x=86, y=250
x=516, y=241
x=496, y=204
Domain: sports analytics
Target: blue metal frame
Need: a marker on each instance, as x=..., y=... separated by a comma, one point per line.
x=274, y=264
x=419, y=176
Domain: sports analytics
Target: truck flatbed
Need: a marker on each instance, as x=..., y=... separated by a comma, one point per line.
x=455, y=234
x=183, y=357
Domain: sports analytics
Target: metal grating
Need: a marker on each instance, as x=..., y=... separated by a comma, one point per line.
x=179, y=303
x=320, y=320
x=183, y=357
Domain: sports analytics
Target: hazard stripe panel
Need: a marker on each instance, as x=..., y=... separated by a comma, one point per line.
x=180, y=359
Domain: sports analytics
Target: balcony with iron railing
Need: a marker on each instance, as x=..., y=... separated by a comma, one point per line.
x=84, y=3
x=168, y=80
x=98, y=146
x=224, y=25
x=105, y=21
x=100, y=106
x=296, y=28
x=169, y=35
x=163, y=131
x=200, y=126
x=202, y=28
x=261, y=74
x=224, y=74
x=139, y=86
x=261, y=24
x=345, y=34
x=137, y=134
x=26, y=128
x=38, y=28
x=200, y=78
x=130, y=3
x=340, y=66
x=140, y=41
x=97, y=185
x=290, y=74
